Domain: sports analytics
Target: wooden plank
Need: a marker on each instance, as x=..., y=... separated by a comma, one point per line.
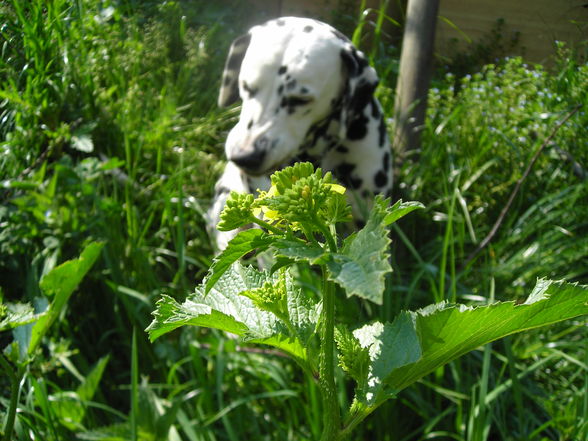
x=540, y=23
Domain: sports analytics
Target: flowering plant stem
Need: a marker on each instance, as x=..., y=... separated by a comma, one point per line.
x=276, y=308
x=331, y=412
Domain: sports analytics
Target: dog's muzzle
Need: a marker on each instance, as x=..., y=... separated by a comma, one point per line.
x=251, y=160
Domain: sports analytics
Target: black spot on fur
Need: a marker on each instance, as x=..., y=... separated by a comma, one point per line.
x=342, y=149
x=291, y=84
x=375, y=108
x=345, y=169
x=357, y=129
x=355, y=182
x=344, y=172
x=316, y=132
x=281, y=89
x=227, y=80
x=308, y=29
x=303, y=90
x=362, y=96
x=382, y=133
x=280, y=22
x=386, y=161
x=381, y=179
x=250, y=124
x=282, y=70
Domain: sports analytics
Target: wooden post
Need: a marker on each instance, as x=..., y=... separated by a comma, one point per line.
x=415, y=74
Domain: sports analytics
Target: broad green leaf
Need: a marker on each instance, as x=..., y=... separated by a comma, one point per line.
x=242, y=244
x=225, y=309
x=58, y=285
x=401, y=209
x=299, y=251
x=447, y=332
x=390, y=346
x=363, y=263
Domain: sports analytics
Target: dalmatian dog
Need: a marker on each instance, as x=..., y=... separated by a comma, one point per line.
x=307, y=95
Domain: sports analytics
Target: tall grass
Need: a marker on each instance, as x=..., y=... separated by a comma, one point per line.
x=109, y=131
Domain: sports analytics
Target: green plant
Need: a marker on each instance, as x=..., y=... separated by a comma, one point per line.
x=299, y=215
x=30, y=326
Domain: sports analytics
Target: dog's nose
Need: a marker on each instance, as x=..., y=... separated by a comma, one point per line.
x=249, y=160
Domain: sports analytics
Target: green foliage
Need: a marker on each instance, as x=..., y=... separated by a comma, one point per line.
x=382, y=358
x=109, y=133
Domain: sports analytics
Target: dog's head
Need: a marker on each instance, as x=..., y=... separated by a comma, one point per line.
x=291, y=74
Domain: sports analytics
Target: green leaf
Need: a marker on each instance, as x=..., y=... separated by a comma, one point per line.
x=401, y=209
x=362, y=265
x=16, y=314
x=242, y=244
x=59, y=284
x=225, y=309
x=88, y=388
x=299, y=251
x=447, y=332
x=390, y=346
x=70, y=407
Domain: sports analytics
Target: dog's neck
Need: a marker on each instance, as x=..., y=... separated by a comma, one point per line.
x=322, y=137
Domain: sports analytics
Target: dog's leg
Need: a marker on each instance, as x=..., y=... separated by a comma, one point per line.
x=232, y=179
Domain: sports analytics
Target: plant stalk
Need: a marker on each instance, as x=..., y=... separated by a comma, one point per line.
x=14, y=390
x=331, y=413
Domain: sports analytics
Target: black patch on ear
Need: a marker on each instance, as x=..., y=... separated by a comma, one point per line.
x=307, y=29
x=381, y=179
x=353, y=61
x=229, y=92
x=282, y=70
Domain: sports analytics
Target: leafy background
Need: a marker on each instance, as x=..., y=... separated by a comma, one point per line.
x=109, y=132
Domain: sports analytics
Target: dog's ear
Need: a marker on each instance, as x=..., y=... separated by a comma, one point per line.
x=358, y=91
x=229, y=90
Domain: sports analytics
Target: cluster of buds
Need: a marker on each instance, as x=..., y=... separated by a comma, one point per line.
x=299, y=196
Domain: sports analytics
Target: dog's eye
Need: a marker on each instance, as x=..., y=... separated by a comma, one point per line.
x=294, y=101
x=249, y=89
